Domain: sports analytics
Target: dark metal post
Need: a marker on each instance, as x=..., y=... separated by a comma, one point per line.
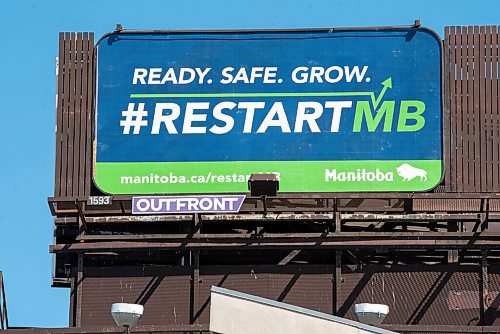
x=79, y=292
x=195, y=282
x=483, y=287
x=337, y=280
x=82, y=223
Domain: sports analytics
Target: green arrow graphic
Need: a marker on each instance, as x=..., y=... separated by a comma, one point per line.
x=387, y=84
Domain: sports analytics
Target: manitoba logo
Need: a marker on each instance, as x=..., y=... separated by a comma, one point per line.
x=408, y=172
x=359, y=175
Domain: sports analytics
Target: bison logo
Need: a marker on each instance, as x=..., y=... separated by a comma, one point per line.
x=408, y=172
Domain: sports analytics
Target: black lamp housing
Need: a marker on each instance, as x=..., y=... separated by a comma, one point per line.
x=263, y=184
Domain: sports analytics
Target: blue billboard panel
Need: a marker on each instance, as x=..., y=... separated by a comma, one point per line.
x=326, y=110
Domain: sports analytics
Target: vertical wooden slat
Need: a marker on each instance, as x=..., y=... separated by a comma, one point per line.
x=480, y=145
x=470, y=129
x=495, y=110
x=71, y=113
x=462, y=109
x=77, y=60
x=463, y=116
x=446, y=109
x=458, y=111
x=469, y=121
x=83, y=116
x=65, y=114
x=458, y=123
x=487, y=119
x=89, y=134
x=59, y=118
x=453, y=109
x=465, y=130
x=477, y=82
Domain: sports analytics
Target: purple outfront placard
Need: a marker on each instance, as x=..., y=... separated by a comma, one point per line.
x=143, y=205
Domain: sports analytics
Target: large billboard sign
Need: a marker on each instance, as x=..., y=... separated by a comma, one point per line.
x=326, y=110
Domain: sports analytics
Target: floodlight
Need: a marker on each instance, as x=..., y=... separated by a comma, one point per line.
x=126, y=315
x=263, y=184
x=371, y=314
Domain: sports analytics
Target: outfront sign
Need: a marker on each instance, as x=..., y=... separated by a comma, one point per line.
x=326, y=110
x=143, y=205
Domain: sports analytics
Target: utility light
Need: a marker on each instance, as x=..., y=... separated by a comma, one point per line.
x=263, y=184
x=126, y=315
x=371, y=314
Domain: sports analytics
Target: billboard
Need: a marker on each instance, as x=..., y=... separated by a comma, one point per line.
x=327, y=110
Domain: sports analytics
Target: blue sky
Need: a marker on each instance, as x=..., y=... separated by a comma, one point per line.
x=29, y=45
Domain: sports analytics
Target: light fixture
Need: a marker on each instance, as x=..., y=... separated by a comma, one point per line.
x=126, y=315
x=263, y=184
x=371, y=314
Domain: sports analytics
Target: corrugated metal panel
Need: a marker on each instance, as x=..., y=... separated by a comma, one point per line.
x=492, y=314
x=390, y=288
x=495, y=205
x=442, y=312
x=414, y=296
x=307, y=286
x=164, y=292
x=451, y=205
x=362, y=204
x=309, y=290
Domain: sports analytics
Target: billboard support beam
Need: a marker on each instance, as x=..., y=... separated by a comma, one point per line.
x=195, y=282
x=79, y=291
x=337, y=280
x=484, y=290
x=82, y=222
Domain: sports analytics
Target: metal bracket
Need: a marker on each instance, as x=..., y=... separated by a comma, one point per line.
x=81, y=216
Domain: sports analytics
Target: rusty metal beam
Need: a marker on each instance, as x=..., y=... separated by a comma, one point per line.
x=195, y=287
x=337, y=281
x=442, y=329
x=275, y=243
x=409, y=217
x=66, y=205
x=141, y=219
x=217, y=237
x=79, y=291
x=484, y=302
x=268, y=216
x=196, y=328
x=289, y=257
x=336, y=217
x=377, y=195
